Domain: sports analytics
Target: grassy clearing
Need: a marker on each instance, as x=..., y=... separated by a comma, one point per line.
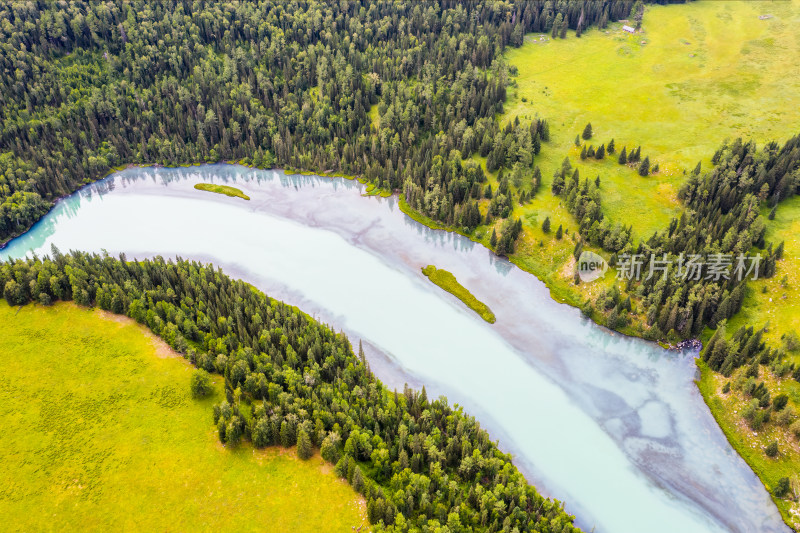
x=707, y=71
x=448, y=282
x=775, y=302
x=221, y=189
x=727, y=408
x=100, y=433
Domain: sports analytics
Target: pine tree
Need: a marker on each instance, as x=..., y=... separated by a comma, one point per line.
x=577, y=140
x=772, y=213
x=623, y=156
x=304, y=450
x=610, y=148
x=559, y=232
x=601, y=152
x=546, y=225
x=696, y=170
x=583, y=152
x=587, y=131
x=597, y=181
x=493, y=239
x=644, y=168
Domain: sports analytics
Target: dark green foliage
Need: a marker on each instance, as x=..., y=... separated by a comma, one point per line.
x=304, y=449
x=782, y=488
x=623, y=156
x=587, y=132
x=644, y=167
x=600, y=153
x=306, y=386
x=559, y=232
x=780, y=402
x=772, y=449
x=546, y=225
x=200, y=383
x=610, y=148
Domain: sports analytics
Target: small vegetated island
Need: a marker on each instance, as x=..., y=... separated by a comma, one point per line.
x=222, y=189
x=447, y=281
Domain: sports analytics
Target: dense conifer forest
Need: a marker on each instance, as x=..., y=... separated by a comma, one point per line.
x=89, y=86
x=289, y=380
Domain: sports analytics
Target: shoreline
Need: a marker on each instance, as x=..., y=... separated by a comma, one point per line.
x=557, y=294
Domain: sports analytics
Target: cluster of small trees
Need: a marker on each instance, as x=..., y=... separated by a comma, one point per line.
x=421, y=464
x=583, y=201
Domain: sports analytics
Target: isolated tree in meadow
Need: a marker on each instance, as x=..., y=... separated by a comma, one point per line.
x=587, y=131
x=559, y=232
x=623, y=156
x=782, y=488
x=772, y=213
x=654, y=169
x=597, y=181
x=577, y=140
x=546, y=225
x=304, y=450
x=200, y=383
x=610, y=148
x=644, y=167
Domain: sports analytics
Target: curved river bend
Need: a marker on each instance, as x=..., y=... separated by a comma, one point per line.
x=613, y=426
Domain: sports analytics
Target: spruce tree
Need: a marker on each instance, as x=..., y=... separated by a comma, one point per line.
x=304, y=450
x=601, y=152
x=559, y=232
x=583, y=152
x=623, y=156
x=644, y=167
x=493, y=239
x=587, y=131
x=577, y=140
x=610, y=148
x=546, y=225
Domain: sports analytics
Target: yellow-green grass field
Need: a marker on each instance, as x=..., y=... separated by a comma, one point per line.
x=707, y=71
x=775, y=302
x=447, y=281
x=727, y=409
x=99, y=432
x=222, y=189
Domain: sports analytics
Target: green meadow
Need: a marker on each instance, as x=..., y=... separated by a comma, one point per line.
x=100, y=433
x=700, y=73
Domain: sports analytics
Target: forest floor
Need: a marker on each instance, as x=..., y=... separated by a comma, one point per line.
x=100, y=432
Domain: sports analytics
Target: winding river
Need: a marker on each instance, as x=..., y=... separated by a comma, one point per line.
x=612, y=426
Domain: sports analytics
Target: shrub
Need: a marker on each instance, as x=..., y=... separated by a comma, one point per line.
x=200, y=383
x=772, y=449
x=782, y=488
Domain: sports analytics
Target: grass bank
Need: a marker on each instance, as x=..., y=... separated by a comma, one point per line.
x=221, y=189
x=448, y=282
x=751, y=445
x=100, y=433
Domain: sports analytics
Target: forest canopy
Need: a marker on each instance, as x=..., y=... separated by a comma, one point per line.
x=89, y=86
